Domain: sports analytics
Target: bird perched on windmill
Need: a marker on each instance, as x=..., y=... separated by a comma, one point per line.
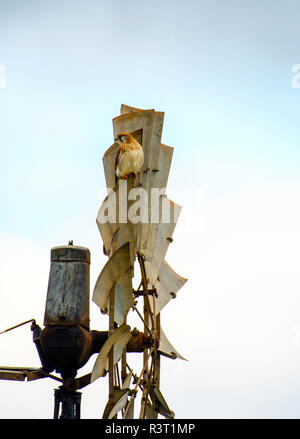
x=129, y=156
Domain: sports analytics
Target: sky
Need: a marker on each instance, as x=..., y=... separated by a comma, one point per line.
x=222, y=71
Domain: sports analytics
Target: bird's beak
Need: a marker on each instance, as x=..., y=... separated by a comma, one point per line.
x=116, y=139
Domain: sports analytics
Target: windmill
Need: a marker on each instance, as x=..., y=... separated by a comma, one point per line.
x=136, y=222
x=141, y=236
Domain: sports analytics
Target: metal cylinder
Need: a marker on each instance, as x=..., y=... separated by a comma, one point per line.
x=68, y=294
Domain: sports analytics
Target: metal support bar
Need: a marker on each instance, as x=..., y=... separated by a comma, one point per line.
x=16, y=326
x=68, y=402
x=111, y=354
x=145, y=286
x=151, y=292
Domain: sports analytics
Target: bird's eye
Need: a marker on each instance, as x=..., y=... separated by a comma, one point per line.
x=123, y=138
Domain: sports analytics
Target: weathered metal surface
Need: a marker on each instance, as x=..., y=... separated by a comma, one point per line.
x=160, y=404
x=68, y=292
x=66, y=348
x=127, y=381
x=117, y=266
x=18, y=325
x=157, y=162
x=139, y=342
x=155, y=228
x=134, y=119
x=14, y=376
x=105, y=228
x=123, y=298
x=154, y=184
x=37, y=374
x=109, y=165
x=115, y=226
x=117, y=340
x=129, y=411
x=83, y=381
x=125, y=229
x=161, y=154
x=127, y=109
x=167, y=349
x=66, y=404
x=156, y=138
x=167, y=286
x=121, y=343
x=150, y=413
x=138, y=120
x=164, y=164
x=14, y=373
x=147, y=236
x=116, y=402
x=159, y=243
x=70, y=253
x=123, y=235
x=119, y=399
x=23, y=373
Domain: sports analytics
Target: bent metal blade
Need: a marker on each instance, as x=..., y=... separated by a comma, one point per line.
x=167, y=349
x=167, y=286
x=160, y=242
x=118, y=340
x=117, y=266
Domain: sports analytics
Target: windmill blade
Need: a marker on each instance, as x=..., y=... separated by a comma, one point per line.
x=105, y=227
x=119, y=399
x=117, y=340
x=108, y=161
x=124, y=234
x=123, y=298
x=150, y=413
x=127, y=109
x=154, y=183
x=164, y=164
x=117, y=266
x=129, y=414
x=157, y=128
x=127, y=381
x=167, y=349
x=167, y=286
x=121, y=343
x=161, y=242
x=112, y=219
x=160, y=404
x=157, y=157
x=116, y=403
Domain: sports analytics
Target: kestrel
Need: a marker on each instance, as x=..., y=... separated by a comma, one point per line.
x=129, y=156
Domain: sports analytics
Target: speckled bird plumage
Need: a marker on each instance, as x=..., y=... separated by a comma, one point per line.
x=129, y=156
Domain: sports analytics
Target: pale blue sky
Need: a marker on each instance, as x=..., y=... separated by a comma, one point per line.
x=221, y=71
